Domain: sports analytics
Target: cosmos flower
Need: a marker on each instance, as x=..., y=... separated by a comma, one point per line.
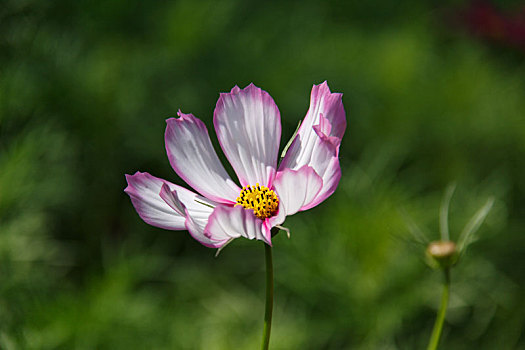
x=248, y=127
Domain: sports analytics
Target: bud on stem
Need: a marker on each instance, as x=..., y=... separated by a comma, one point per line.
x=442, y=254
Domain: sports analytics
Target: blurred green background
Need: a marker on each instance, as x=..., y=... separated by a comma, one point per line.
x=85, y=88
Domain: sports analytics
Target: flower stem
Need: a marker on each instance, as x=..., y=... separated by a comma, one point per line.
x=440, y=319
x=269, y=298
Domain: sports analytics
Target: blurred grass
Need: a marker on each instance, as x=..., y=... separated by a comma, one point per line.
x=84, y=91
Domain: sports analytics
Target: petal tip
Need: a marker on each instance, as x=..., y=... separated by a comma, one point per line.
x=323, y=85
x=234, y=90
x=133, y=179
x=251, y=86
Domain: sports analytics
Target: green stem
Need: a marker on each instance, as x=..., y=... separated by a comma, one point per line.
x=269, y=298
x=440, y=319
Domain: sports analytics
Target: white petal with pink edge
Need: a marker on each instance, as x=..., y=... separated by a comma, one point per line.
x=227, y=222
x=296, y=189
x=196, y=226
x=330, y=105
x=248, y=126
x=172, y=199
x=318, y=139
x=193, y=158
x=145, y=193
x=331, y=177
x=325, y=162
x=325, y=116
x=196, y=214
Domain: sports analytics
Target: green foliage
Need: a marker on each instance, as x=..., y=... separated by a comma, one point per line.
x=84, y=91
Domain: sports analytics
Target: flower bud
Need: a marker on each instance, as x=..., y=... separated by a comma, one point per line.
x=442, y=254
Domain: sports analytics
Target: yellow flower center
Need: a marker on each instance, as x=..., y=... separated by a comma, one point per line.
x=261, y=199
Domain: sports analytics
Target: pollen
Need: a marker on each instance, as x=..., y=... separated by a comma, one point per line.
x=260, y=199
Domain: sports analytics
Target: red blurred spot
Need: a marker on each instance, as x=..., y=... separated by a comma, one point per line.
x=484, y=20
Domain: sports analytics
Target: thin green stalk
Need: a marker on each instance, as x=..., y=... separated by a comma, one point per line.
x=269, y=298
x=440, y=319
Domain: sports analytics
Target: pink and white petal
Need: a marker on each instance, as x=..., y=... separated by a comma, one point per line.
x=248, y=126
x=296, y=189
x=172, y=199
x=144, y=189
x=267, y=231
x=277, y=219
x=330, y=105
x=331, y=177
x=196, y=226
x=196, y=212
x=326, y=116
x=226, y=223
x=181, y=200
x=323, y=131
x=323, y=158
x=193, y=158
x=324, y=126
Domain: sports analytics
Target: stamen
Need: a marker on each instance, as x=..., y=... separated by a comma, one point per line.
x=260, y=199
